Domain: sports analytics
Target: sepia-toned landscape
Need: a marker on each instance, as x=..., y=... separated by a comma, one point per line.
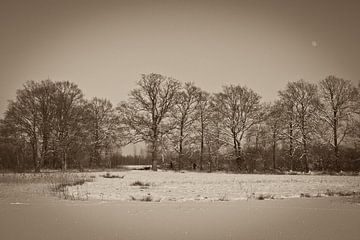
x=179, y=120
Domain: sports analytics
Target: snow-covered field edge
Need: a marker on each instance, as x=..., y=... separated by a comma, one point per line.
x=162, y=186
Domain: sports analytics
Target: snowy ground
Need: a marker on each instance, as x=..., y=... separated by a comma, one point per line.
x=192, y=186
x=29, y=210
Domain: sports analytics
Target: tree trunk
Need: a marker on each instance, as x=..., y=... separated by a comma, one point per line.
x=336, y=145
x=201, y=148
x=291, y=145
x=274, y=151
x=180, y=149
x=210, y=160
x=35, y=155
x=64, y=161
x=306, y=156
x=44, y=150
x=180, y=155
x=154, y=156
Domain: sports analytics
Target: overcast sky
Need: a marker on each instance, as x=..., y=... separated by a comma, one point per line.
x=104, y=46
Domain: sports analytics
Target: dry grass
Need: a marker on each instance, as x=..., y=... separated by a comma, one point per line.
x=25, y=185
x=139, y=183
x=109, y=175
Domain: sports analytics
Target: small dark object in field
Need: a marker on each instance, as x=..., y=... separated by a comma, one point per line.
x=223, y=198
x=306, y=195
x=329, y=193
x=139, y=183
x=147, y=198
x=108, y=175
x=145, y=168
x=265, y=196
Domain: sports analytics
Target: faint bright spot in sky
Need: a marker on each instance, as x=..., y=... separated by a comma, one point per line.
x=314, y=43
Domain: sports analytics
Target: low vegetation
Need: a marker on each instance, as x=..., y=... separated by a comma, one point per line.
x=140, y=184
x=109, y=175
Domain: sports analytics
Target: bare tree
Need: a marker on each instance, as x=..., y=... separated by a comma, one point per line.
x=102, y=126
x=240, y=109
x=146, y=111
x=68, y=120
x=275, y=121
x=303, y=96
x=183, y=115
x=23, y=116
x=203, y=116
x=45, y=93
x=214, y=136
x=338, y=104
x=290, y=132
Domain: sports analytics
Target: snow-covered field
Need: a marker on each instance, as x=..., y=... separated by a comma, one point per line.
x=185, y=186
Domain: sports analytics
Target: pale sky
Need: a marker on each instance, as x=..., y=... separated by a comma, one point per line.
x=104, y=46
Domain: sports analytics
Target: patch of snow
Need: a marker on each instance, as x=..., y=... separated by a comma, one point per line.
x=194, y=186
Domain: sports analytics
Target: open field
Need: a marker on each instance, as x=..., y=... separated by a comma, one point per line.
x=192, y=206
x=159, y=186
x=189, y=186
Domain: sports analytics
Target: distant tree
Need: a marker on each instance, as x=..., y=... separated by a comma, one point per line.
x=215, y=139
x=183, y=115
x=290, y=133
x=102, y=127
x=14, y=147
x=23, y=118
x=240, y=109
x=338, y=104
x=275, y=121
x=45, y=92
x=68, y=121
x=203, y=114
x=147, y=110
x=303, y=96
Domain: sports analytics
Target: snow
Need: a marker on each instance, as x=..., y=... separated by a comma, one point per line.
x=194, y=186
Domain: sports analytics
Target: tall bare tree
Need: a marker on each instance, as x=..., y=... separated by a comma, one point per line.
x=338, y=104
x=275, y=121
x=102, y=127
x=203, y=116
x=146, y=112
x=23, y=116
x=240, y=109
x=68, y=120
x=45, y=93
x=184, y=117
x=303, y=96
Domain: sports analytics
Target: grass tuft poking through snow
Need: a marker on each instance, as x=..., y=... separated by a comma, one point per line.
x=139, y=183
x=109, y=175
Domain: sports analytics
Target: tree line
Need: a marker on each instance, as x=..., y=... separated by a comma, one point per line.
x=308, y=127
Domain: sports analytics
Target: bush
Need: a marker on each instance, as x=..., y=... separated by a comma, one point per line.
x=305, y=195
x=108, y=175
x=139, y=183
x=264, y=196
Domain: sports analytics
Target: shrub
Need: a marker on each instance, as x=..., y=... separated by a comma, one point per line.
x=139, y=183
x=146, y=198
x=224, y=198
x=306, y=195
x=264, y=196
x=108, y=175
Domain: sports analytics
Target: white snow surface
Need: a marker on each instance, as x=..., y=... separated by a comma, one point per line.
x=194, y=186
